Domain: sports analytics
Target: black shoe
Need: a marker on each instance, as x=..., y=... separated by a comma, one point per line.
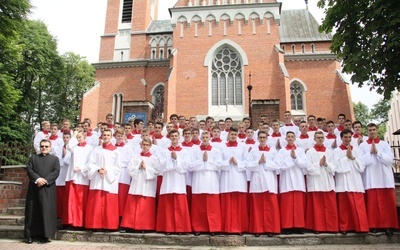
x=197, y=233
x=44, y=240
x=28, y=240
x=316, y=232
x=374, y=230
x=122, y=230
x=212, y=234
x=269, y=235
x=389, y=232
x=257, y=235
x=343, y=233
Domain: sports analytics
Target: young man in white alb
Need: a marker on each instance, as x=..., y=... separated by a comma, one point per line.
x=349, y=186
x=379, y=182
x=264, y=206
x=205, y=167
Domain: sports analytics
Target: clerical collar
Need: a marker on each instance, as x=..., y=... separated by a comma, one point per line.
x=160, y=136
x=289, y=124
x=290, y=147
x=129, y=136
x=177, y=148
x=120, y=145
x=242, y=135
x=89, y=133
x=45, y=132
x=376, y=140
x=250, y=141
x=110, y=126
x=82, y=144
x=304, y=136
x=276, y=134
x=344, y=147
x=340, y=128
x=205, y=148
x=265, y=148
x=320, y=148
x=147, y=154
x=232, y=144
x=53, y=137
x=315, y=128
x=187, y=144
x=109, y=146
x=355, y=135
x=216, y=140
x=197, y=142
x=330, y=136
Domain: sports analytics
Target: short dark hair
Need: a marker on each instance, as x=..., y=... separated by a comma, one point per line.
x=345, y=132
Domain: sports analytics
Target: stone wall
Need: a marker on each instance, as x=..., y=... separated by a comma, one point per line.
x=13, y=187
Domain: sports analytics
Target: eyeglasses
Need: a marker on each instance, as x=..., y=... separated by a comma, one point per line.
x=319, y=137
x=262, y=137
x=44, y=146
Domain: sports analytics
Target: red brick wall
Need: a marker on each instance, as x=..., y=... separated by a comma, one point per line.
x=11, y=194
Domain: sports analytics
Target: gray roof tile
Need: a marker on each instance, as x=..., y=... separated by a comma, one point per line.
x=159, y=26
x=300, y=26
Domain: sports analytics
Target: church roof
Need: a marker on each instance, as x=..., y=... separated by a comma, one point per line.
x=295, y=26
x=160, y=26
x=300, y=26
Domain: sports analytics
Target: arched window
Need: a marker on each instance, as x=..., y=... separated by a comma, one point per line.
x=158, y=100
x=297, y=96
x=226, y=72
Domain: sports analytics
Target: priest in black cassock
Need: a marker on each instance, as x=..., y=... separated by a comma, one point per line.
x=41, y=199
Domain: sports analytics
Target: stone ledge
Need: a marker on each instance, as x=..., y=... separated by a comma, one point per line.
x=11, y=183
x=17, y=232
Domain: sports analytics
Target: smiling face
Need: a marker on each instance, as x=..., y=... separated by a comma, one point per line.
x=45, y=147
x=106, y=136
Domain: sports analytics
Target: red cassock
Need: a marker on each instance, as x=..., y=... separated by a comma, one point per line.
x=352, y=215
x=75, y=205
x=102, y=210
x=381, y=208
x=233, y=206
x=292, y=207
x=264, y=213
x=139, y=213
x=206, y=213
x=123, y=190
x=60, y=200
x=173, y=214
x=321, y=212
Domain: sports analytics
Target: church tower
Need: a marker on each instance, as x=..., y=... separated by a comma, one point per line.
x=125, y=26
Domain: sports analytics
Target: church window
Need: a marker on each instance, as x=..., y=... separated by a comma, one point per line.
x=312, y=48
x=283, y=48
x=226, y=72
x=303, y=48
x=296, y=96
x=293, y=48
x=161, y=54
x=127, y=11
x=153, y=54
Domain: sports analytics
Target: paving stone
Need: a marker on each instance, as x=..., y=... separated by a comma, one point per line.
x=348, y=239
x=303, y=240
x=180, y=240
x=263, y=241
x=227, y=240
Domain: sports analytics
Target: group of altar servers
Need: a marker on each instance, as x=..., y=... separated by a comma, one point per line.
x=208, y=184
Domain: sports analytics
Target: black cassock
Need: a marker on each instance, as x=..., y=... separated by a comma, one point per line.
x=41, y=202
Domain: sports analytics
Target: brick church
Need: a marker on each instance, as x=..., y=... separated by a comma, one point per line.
x=203, y=61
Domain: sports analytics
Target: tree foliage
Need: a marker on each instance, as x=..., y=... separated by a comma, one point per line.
x=378, y=115
x=367, y=39
x=12, y=16
x=36, y=82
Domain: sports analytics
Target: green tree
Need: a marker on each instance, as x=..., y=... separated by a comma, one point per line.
x=367, y=39
x=77, y=76
x=362, y=113
x=40, y=60
x=380, y=111
x=12, y=16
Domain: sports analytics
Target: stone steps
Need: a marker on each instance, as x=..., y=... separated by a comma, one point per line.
x=16, y=211
x=11, y=220
x=308, y=239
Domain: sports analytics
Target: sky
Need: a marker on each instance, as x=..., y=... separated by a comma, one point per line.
x=78, y=25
